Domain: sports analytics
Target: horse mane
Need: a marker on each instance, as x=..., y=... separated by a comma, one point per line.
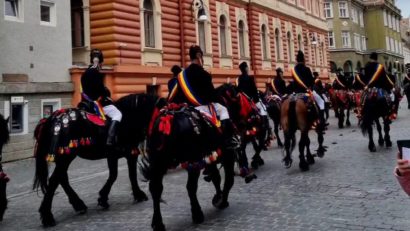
x=4, y=131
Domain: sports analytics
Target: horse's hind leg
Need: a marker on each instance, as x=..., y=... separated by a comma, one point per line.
x=341, y=117
x=138, y=194
x=303, y=165
x=156, y=188
x=192, y=187
x=73, y=198
x=46, y=215
x=214, y=176
x=228, y=162
x=276, y=130
x=113, y=170
x=287, y=160
x=309, y=157
x=257, y=159
x=348, y=124
x=372, y=146
x=387, y=133
x=379, y=130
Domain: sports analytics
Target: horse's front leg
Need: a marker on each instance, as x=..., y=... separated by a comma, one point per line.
x=303, y=165
x=113, y=171
x=138, y=194
x=156, y=188
x=309, y=157
x=387, y=132
x=287, y=160
x=192, y=187
x=371, y=146
x=341, y=117
x=379, y=130
x=348, y=124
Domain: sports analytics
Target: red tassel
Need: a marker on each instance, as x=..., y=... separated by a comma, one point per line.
x=88, y=142
x=82, y=142
x=67, y=150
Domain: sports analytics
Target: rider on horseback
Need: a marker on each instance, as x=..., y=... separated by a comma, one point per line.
x=95, y=93
x=278, y=86
x=303, y=82
x=358, y=83
x=340, y=82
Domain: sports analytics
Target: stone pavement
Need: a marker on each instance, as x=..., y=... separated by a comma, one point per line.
x=349, y=189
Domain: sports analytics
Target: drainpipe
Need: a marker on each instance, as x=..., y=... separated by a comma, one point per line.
x=252, y=44
x=182, y=28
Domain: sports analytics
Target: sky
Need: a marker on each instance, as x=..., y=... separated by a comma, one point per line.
x=404, y=6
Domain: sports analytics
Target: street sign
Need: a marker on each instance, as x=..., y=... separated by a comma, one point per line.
x=17, y=99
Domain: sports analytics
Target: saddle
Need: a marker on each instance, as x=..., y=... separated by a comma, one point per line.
x=91, y=114
x=312, y=108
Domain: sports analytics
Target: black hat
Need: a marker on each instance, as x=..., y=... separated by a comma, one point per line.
x=243, y=66
x=373, y=56
x=194, y=50
x=176, y=70
x=300, y=56
x=279, y=70
x=96, y=53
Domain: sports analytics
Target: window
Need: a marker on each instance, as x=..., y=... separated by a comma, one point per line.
x=364, y=46
x=361, y=21
x=47, y=13
x=328, y=10
x=289, y=37
x=149, y=24
x=11, y=8
x=331, y=39
x=387, y=43
x=357, y=42
x=77, y=24
x=241, y=35
x=48, y=106
x=345, y=39
x=391, y=44
x=201, y=35
x=343, y=10
x=300, y=42
x=222, y=34
x=264, y=43
x=277, y=43
x=393, y=20
x=389, y=20
x=385, y=17
x=355, y=17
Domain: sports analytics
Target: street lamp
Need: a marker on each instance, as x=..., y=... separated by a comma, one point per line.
x=199, y=4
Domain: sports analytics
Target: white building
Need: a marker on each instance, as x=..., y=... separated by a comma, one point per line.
x=35, y=46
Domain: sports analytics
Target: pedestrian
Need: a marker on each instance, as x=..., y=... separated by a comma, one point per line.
x=402, y=173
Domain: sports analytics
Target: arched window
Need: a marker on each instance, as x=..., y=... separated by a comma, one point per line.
x=277, y=43
x=149, y=24
x=241, y=34
x=300, y=42
x=289, y=37
x=201, y=33
x=333, y=67
x=264, y=43
x=222, y=34
x=77, y=23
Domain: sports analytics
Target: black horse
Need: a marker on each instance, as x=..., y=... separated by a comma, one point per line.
x=69, y=133
x=376, y=106
x=182, y=135
x=4, y=138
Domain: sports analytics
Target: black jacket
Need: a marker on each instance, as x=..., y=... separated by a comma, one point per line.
x=381, y=82
x=280, y=86
x=340, y=83
x=305, y=75
x=357, y=82
x=92, y=82
x=200, y=82
x=406, y=79
x=247, y=85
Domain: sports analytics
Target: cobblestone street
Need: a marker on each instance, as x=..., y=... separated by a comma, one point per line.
x=349, y=189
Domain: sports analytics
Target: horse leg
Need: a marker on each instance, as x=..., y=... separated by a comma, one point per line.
x=379, y=130
x=156, y=188
x=46, y=215
x=387, y=133
x=78, y=204
x=192, y=187
x=309, y=157
x=228, y=162
x=257, y=159
x=276, y=130
x=341, y=117
x=321, y=149
x=372, y=146
x=138, y=194
x=113, y=170
x=303, y=165
x=287, y=160
x=348, y=124
x=215, y=177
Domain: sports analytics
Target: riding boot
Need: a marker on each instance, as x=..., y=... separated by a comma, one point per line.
x=112, y=133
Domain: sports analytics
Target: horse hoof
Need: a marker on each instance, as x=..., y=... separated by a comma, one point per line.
x=48, y=220
x=254, y=164
x=198, y=217
x=348, y=124
x=216, y=200
x=208, y=178
x=280, y=144
x=223, y=205
x=159, y=227
x=304, y=167
x=310, y=160
x=372, y=148
x=388, y=144
x=287, y=163
x=103, y=203
x=250, y=178
x=140, y=197
x=261, y=161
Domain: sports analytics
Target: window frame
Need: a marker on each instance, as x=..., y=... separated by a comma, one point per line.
x=264, y=42
x=149, y=25
x=328, y=9
x=19, y=10
x=223, y=49
x=53, y=16
x=289, y=41
x=241, y=39
x=331, y=37
x=346, y=9
x=348, y=39
x=364, y=44
x=277, y=43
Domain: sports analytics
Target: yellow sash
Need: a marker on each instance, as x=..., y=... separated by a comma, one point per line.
x=97, y=105
x=298, y=79
x=187, y=90
x=357, y=77
x=376, y=75
x=274, y=87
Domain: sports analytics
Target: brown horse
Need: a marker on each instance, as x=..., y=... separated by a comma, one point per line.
x=341, y=101
x=298, y=113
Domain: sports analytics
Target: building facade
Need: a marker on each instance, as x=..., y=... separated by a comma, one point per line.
x=143, y=39
x=405, y=38
x=359, y=27
x=35, y=43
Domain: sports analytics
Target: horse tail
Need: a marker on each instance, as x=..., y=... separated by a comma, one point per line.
x=42, y=136
x=292, y=120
